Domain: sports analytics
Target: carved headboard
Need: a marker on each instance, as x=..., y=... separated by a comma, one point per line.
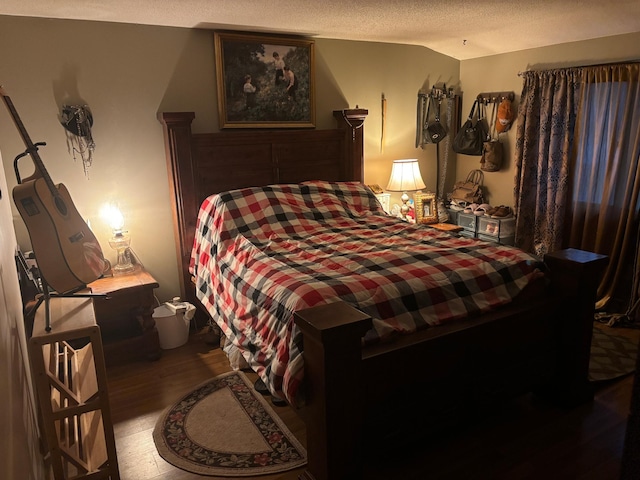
x=203, y=164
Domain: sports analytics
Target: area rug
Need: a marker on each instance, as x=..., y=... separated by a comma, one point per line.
x=224, y=428
x=612, y=356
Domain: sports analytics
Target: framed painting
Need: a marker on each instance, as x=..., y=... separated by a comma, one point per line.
x=265, y=81
x=426, y=209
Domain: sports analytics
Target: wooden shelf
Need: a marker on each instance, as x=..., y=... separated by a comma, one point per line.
x=70, y=378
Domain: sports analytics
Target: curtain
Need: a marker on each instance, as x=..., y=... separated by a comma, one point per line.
x=544, y=135
x=578, y=169
x=605, y=171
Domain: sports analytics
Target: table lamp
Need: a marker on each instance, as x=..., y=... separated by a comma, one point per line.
x=120, y=241
x=405, y=176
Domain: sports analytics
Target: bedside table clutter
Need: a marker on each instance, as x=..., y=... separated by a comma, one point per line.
x=385, y=200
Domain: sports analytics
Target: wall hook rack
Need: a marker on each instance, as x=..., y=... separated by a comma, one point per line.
x=495, y=97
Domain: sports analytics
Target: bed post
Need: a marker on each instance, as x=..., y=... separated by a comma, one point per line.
x=575, y=275
x=352, y=121
x=332, y=343
x=177, y=134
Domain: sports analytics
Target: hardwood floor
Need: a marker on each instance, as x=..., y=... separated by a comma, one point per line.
x=522, y=440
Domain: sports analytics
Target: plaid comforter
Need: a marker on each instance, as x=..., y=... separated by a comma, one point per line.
x=262, y=253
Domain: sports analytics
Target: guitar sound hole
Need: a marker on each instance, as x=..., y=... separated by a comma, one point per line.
x=60, y=205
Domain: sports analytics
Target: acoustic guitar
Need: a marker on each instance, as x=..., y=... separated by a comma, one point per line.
x=66, y=250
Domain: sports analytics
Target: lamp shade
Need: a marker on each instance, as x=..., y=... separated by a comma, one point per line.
x=405, y=176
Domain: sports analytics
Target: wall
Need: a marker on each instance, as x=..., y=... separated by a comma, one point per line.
x=500, y=73
x=19, y=448
x=129, y=73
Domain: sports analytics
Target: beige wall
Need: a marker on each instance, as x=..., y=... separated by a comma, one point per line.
x=19, y=447
x=500, y=73
x=129, y=73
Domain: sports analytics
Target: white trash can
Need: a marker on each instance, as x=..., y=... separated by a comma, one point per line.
x=172, y=321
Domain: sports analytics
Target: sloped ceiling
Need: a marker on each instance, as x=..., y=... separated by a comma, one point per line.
x=462, y=29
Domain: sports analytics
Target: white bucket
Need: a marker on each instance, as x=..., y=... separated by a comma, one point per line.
x=173, y=324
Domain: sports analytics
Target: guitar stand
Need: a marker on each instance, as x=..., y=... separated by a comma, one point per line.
x=46, y=297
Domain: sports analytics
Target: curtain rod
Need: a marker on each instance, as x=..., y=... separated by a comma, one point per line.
x=628, y=62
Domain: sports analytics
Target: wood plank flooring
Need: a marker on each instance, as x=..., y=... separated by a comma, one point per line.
x=523, y=440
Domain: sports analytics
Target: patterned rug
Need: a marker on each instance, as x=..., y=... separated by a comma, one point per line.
x=612, y=356
x=223, y=428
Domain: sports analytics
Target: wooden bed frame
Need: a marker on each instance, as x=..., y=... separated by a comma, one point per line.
x=540, y=343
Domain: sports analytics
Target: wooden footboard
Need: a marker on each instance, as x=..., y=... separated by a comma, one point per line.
x=542, y=346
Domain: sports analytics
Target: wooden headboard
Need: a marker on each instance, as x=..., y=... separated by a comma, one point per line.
x=206, y=163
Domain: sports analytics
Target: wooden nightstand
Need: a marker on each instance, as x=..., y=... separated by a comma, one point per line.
x=125, y=316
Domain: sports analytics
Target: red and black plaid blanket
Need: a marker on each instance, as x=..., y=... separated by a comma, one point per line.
x=262, y=253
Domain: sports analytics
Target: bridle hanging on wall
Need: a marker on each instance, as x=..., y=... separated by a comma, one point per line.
x=77, y=121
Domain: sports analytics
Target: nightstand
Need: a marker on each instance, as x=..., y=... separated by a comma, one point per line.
x=125, y=316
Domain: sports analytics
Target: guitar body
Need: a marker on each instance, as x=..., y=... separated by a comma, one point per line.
x=68, y=254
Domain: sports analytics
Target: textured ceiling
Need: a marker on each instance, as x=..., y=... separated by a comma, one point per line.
x=462, y=29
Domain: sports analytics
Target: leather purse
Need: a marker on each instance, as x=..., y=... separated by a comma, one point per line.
x=435, y=131
x=491, y=160
x=469, y=190
x=470, y=138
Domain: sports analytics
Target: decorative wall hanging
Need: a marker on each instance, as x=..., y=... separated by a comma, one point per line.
x=77, y=121
x=265, y=81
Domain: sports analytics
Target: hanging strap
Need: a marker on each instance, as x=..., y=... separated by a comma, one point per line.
x=475, y=176
x=473, y=109
x=491, y=134
x=419, y=119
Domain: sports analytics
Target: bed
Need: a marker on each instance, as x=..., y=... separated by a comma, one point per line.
x=535, y=337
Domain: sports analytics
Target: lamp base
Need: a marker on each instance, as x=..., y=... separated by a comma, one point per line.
x=404, y=209
x=120, y=243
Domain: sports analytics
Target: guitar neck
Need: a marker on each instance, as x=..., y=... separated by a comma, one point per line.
x=31, y=148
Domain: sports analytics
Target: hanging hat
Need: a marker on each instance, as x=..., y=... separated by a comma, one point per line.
x=77, y=119
x=505, y=116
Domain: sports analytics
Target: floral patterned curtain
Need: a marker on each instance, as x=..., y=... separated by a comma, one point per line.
x=578, y=165
x=545, y=126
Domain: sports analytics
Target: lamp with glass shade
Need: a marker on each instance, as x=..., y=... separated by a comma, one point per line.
x=120, y=241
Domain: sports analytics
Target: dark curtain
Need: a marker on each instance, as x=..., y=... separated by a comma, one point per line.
x=577, y=165
x=545, y=126
x=605, y=171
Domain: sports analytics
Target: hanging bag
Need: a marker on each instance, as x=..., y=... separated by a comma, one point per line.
x=471, y=136
x=435, y=131
x=469, y=190
x=491, y=160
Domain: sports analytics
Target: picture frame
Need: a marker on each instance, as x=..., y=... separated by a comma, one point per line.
x=265, y=81
x=426, y=208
